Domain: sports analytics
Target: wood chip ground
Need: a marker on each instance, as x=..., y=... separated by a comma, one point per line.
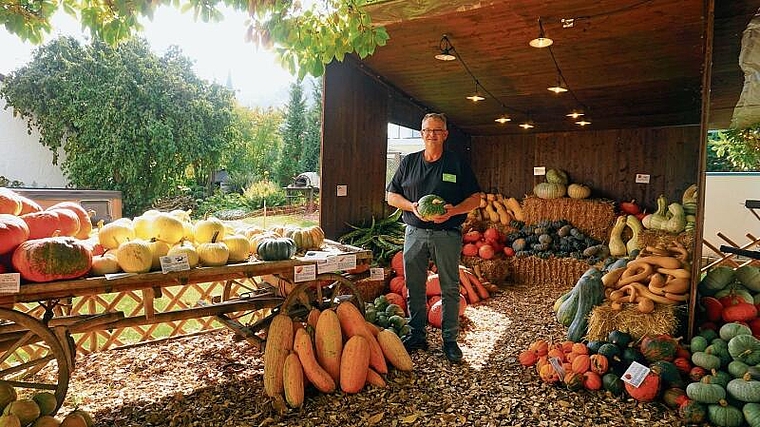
x=214, y=380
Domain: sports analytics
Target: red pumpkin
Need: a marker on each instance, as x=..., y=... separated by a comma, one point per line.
x=435, y=315
x=397, y=285
x=28, y=205
x=52, y=258
x=68, y=222
x=9, y=202
x=599, y=364
x=696, y=373
x=42, y=224
x=647, y=391
x=471, y=236
x=13, y=232
x=486, y=251
x=683, y=364
x=508, y=251
x=592, y=381
x=754, y=326
x=397, y=263
x=631, y=208
x=712, y=308
x=491, y=235
x=470, y=249
x=740, y=312
x=433, y=285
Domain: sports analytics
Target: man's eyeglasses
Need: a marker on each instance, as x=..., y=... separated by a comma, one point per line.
x=433, y=131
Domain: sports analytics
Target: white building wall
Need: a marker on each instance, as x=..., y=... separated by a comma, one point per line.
x=23, y=158
x=725, y=195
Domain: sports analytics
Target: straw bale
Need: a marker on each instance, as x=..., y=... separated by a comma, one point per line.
x=594, y=217
x=494, y=270
x=557, y=272
x=664, y=239
x=665, y=319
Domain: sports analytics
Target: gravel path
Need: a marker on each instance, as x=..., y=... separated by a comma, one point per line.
x=213, y=380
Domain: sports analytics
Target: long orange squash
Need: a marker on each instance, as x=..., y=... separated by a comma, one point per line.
x=329, y=343
x=472, y=296
x=279, y=343
x=352, y=323
x=354, y=364
x=292, y=376
x=318, y=376
x=312, y=318
x=394, y=350
x=373, y=378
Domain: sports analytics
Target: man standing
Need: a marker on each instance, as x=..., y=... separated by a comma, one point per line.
x=443, y=173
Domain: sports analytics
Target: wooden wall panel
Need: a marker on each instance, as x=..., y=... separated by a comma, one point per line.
x=608, y=161
x=354, y=146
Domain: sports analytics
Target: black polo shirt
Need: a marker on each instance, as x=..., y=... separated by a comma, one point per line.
x=448, y=177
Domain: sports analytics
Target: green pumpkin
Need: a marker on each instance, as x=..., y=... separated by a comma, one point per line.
x=556, y=176
x=745, y=389
x=593, y=346
x=698, y=343
x=749, y=276
x=745, y=348
x=724, y=415
x=708, y=334
x=548, y=190
x=619, y=338
x=705, y=392
x=737, y=368
x=668, y=373
x=276, y=249
x=730, y=330
x=613, y=384
x=430, y=206
x=706, y=361
x=659, y=347
x=716, y=279
x=751, y=412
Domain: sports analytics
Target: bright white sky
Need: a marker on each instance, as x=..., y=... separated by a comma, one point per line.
x=217, y=49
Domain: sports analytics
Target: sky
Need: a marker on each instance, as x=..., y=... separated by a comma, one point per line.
x=218, y=50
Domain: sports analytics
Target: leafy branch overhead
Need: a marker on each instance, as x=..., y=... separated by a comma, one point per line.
x=305, y=36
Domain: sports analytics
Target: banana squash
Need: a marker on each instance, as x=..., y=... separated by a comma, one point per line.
x=590, y=293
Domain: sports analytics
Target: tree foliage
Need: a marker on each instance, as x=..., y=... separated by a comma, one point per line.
x=305, y=35
x=126, y=119
x=255, y=146
x=734, y=149
x=293, y=136
x=309, y=161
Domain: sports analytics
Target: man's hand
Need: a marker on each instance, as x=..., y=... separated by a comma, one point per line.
x=438, y=219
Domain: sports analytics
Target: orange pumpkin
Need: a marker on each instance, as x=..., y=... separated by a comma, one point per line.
x=599, y=364
x=52, y=258
x=579, y=348
x=85, y=224
x=42, y=224
x=581, y=363
x=558, y=354
x=592, y=381
x=394, y=298
x=541, y=347
x=548, y=374
x=398, y=285
x=13, y=232
x=9, y=202
x=68, y=222
x=28, y=205
x=528, y=358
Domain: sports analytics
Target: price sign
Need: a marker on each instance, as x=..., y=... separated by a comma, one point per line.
x=303, y=273
x=635, y=374
x=327, y=265
x=346, y=262
x=178, y=262
x=376, y=273
x=557, y=365
x=10, y=283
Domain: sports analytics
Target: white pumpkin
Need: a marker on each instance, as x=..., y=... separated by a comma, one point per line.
x=115, y=233
x=188, y=249
x=143, y=226
x=239, y=247
x=168, y=228
x=213, y=254
x=158, y=248
x=135, y=256
x=104, y=264
x=205, y=229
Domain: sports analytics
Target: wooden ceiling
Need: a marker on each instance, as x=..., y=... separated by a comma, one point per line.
x=628, y=63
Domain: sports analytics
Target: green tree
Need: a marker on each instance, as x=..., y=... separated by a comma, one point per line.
x=255, y=146
x=127, y=119
x=293, y=136
x=313, y=140
x=306, y=35
x=734, y=149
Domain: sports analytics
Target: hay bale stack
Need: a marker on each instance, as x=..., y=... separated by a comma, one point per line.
x=665, y=319
x=560, y=273
x=664, y=239
x=594, y=217
x=495, y=270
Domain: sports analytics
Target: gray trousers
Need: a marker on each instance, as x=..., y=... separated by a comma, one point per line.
x=443, y=247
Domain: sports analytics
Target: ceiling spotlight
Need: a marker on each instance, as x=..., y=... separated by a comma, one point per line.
x=541, y=40
x=446, y=50
x=503, y=119
x=575, y=114
x=526, y=125
x=476, y=97
x=558, y=88
x=583, y=122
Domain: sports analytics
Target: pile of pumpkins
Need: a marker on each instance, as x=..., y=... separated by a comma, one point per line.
x=556, y=186
x=334, y=349
x=59, y=242
x=36, y=410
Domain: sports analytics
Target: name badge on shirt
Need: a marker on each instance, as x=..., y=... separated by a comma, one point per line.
x=449, y=177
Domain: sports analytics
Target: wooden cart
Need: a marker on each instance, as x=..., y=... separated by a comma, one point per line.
x=37, y=353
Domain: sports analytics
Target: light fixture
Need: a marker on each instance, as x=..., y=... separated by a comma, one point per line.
x=526, y=125
x=446, y=50
x=503, y=119
x=575, y=114
x=558, y=88
x=476, y=96
x=583, y=122
x=541, y=41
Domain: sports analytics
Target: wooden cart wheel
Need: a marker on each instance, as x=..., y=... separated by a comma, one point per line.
x=327, y=291
x=31, y=358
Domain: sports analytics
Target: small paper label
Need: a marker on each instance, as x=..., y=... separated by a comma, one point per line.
x=539, y=170
x=178, y=262
x=346, y=262
x=449, y=177
x=342, y=191
x=376, y=273
x=642, y=178
x=557, y=365
x=303, y=273
x=10, y=283
x=635, y=374
x=327, y=265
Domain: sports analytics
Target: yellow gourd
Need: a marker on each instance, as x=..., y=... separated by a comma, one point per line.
x=656, y=220
x=635, y=225
x=617, y=247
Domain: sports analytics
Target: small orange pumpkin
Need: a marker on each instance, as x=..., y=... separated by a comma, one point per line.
x=592, y=381
x=599, y=364
x=581, y=363
x=528, y=358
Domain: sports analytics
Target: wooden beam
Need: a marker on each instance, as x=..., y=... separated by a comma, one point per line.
x=393, y=11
